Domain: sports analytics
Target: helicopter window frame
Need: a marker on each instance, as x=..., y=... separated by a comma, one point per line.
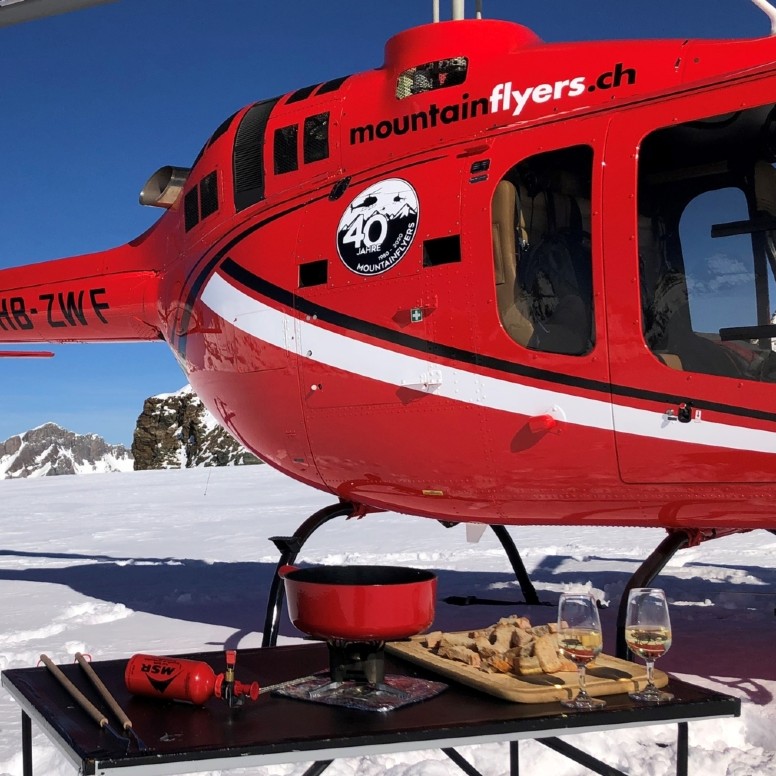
x=430, y=76
x=707, y=244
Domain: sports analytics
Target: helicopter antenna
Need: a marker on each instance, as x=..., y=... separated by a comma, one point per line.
x=458, y=9
x=769, y=11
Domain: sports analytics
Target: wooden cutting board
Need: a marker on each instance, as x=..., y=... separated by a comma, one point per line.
x=608, y=675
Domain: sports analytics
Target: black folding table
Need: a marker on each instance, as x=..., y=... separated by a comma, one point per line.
x=184, y=738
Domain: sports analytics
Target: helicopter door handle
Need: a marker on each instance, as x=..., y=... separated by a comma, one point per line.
x=684, y=413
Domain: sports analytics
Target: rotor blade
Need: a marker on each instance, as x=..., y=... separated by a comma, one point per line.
x=26, y=354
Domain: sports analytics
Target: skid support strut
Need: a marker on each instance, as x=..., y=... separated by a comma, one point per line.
x=289, y=547
x=526, y=586
x=530, y=595
x=643, y=577
x=653, y=565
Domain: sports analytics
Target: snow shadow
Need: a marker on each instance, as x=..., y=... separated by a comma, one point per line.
x=234, y=595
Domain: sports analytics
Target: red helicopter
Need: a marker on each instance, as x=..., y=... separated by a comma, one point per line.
x=493, y=281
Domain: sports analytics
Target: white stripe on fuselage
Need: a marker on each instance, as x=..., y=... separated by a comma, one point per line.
x=388, y=366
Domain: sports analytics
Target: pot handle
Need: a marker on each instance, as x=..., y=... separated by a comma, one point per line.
x=286, y=569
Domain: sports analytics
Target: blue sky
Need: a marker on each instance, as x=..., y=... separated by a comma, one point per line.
x=92, y=102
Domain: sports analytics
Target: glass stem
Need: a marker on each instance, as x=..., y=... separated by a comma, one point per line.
x=582, y=677
x=650, y=674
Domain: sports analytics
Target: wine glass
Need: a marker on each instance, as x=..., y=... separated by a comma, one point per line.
x=648, y=635
x=580, y=640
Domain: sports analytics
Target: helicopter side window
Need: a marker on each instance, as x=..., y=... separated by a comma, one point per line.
x=316, y=138
x=201, y=201
x=707, y=245
x=285, y=152
x=432, y=75
x=542, y=252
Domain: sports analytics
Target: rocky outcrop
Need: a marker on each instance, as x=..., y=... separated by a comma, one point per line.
x=50, y=450
x=175, y=430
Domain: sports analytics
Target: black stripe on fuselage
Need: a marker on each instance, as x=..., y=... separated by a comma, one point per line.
x=282, y=296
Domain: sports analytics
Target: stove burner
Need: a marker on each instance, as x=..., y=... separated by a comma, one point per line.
x=362, y=662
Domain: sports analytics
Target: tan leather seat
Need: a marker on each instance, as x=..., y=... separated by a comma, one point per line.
x=505, y=256
x=556, y=273
x=539, y=308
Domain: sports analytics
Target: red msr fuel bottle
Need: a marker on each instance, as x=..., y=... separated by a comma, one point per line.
x=170, y=678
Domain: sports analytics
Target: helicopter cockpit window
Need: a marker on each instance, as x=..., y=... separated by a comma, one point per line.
x=707, y=245
x=542, y=251
x=432, y=75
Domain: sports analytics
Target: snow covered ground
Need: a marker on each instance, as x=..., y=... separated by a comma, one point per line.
x=175, y=561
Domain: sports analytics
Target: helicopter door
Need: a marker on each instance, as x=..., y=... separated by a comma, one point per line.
x=690, y=263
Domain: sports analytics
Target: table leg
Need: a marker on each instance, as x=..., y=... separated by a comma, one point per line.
x=682, y=749
x=462, y=763
x=26, y=745
x=514, y=758
x=578, y=756
x=317, y=768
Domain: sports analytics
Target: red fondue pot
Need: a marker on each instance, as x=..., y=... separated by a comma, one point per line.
x=360, y=603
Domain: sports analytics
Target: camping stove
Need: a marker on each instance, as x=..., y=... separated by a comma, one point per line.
x=358, y=661
x=356, y=679
x=359, y=667
x=355, y=610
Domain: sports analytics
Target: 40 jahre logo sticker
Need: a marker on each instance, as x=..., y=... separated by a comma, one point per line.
x=378, y=227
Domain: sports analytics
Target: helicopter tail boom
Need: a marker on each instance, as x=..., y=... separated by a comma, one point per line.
x=101, y=297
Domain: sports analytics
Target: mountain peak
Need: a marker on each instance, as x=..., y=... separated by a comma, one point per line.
x=176, y=430
x=49, y=450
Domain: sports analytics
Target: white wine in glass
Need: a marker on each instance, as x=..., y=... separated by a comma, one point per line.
x=648, y=635
x=580, y=640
